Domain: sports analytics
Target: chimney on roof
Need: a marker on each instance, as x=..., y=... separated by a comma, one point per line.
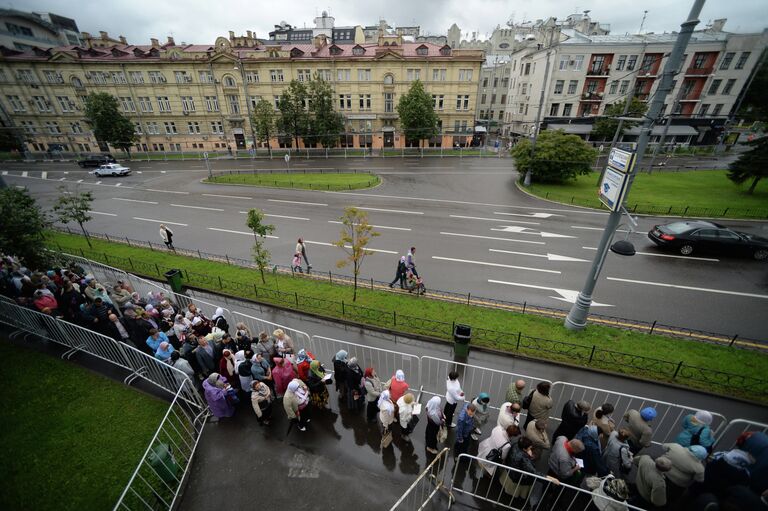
x=171, y=41
x=155, y=43
x=87, y=35
x=123, y=40
x=231, y=34
x=250, y=34
x=320, y=41
x=104, y=35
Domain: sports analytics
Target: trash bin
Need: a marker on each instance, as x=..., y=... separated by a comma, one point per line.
x=164, y=464
x=174, y=279
x=462, y=334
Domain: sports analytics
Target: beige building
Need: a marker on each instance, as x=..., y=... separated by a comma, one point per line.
x=199, y=97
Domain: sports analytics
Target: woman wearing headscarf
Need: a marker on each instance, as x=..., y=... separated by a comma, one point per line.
x=340, y=373
x=397, y=385
x=386, y=413
x=407, y=420
x=303, y=360
x=318, y=391
x=282, y=373
x=726, y=469
x=227, y=368
x=295, y=403
x=164, y=351
x=261, y=401
x=697, y=430
x=219, y=321
x=373, y=388
x=181, y=327
x=355, y=385
x=215, y=387
x=435, y=419
x=261, y=371
x=283, y=344
x=482, y=411
x=165, y=305
x=200, y=327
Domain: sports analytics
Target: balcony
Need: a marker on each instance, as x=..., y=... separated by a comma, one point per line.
x=702, y=71
x=642, y=96
x=592, y=96
x=598, y=71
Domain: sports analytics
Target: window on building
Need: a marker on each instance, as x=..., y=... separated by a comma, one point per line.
x=303, y=75
x=156, y=77
x=718, y=108
x=495, y=82
x=485, y=82
x=29, y=127
x=686, y=89
x=358, y=51
x=117, y=77
x=50, y=77
x=365, y=101
x=613, y=87
x=127, y=103
x=572, y=86
x=554, y=109
x=520, y=108
x=324, y=74
x=462, y=102
x=456, y=126
x=559, y=84
x=465, y=75
x=439, y=75
x=631, y=62
x=438, y=101
x=16, y=104
x=233, y=102
x=145, y=104
x=524, y=89
x=578, y=62
x=252, y=77
x=343, y=75
x=389, y=102
x=136, y=77
x=254, y=100
x=345, y=101
x=645, y=66
x=77, y=83
x=493, y=98
x=698, y=61
x=212, y=103
x=363, y=75
x=592, y=86
x=714, y=86
x=742, y=61
x=76, y=128
x=193, y=127
x=527, y=69
x=413, y=74
x=217, y=127
x=42, y=104
x=53, y=127
x=276, y=75
x=567, y=109
x=483, y=98
x=15, y=29
x=153, y=128
x=729, y=86
x=170, y=128
x=564, y=60
x=163, y=104
x=505, y=82
x=230, y=82
x=277, y=101
x=25, y=76
x=65, y=104
x=422, y=51
x=137, y=128
x=620, y=62
x=624, y=87
x=187, y=104
x=205, y=76
x=703, y=110
x=727, y=59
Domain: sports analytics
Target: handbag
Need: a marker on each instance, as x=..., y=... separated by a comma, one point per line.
x=495, y=454
x=386, y=439
x=442, y=434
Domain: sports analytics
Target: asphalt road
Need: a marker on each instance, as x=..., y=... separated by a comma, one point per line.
x=474, y=232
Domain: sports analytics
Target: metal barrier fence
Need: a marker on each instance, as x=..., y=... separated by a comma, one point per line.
x=256, y=325
x=385, y=362
x=666, y=425
x=515, y=489
x=727, y=439
x=474, y=379
x=159, y=478
x=426, y=486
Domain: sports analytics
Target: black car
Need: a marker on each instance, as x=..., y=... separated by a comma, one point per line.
x=96, y=160
x=708, y=237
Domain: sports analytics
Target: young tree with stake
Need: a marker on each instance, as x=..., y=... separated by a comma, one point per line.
x=356, y=232
x=74, y=207
x=261, y=255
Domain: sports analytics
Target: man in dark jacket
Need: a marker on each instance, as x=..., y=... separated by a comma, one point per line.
x=400, y=273
x=574, y=417
x=117, y=329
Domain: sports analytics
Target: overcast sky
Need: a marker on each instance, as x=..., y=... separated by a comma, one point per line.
x=201, y=21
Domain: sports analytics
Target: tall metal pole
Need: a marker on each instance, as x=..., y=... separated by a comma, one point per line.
x=577, y=317
x=527, y=180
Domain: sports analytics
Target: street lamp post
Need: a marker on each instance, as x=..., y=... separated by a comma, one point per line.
x=577, y=316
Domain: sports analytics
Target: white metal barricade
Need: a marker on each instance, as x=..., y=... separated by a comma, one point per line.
x=105, y=274
x=474, y=379
x=669, y=416
x=727, y=438
x=384, y=362
x=431, y=480
x=257, y=325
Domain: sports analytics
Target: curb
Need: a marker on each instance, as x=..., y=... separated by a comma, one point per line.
x=381, y=182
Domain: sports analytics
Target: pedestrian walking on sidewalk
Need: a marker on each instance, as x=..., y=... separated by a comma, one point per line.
x=296, y=263
x=301, y=248
x=400, y=273
x=167, y=236
x=410, y=261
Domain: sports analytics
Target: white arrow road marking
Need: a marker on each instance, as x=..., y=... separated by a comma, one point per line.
x=326, y=244
x=550, y=257
x=492, y=238
x=240, y=232
x=566, y=295
x=376, y=226
x=44, y=175
x=119, y=184
x=525, y=230
x=79, y=180
x=594, y=228
x=690, y=258
x=24, y=173
x=690, y=288
x=497, y=220
x=532, y=215
x=63, y=178
x=494, y=264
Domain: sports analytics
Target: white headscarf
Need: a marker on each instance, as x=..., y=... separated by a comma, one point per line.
x=218, y=314
x=386, y=402
x=433, y=410
x=399, y=375
x=293, y=386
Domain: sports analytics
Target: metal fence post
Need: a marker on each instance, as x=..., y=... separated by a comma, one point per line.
x=394, y=318
x=343, y=312
x=677, y=369
x=592, y=354
x=157, y=269
x=652, y=327
x=221, y=286
x=733, y=340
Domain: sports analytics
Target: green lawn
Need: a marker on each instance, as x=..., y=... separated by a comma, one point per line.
x=70, y=438
x=703, y=192
x=409, y=313
x=310, y=180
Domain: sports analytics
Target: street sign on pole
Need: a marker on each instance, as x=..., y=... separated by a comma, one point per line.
x=612, y=188
x=621, y=160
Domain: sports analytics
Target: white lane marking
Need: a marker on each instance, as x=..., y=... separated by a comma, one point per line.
x=240, y=232
x=44, y=175
x=79, y=180
x=549, y=257
x=279, y=216
x=166, y=191
x=532, y=215
x=98, y=182
x=525, y=230
x=20, y=187
x=498, y=265
x=64, y=178
x=66, y=172
x=158, y=221
x=326, y=244
x=566, y=295
x=690, y=258
x=492, y=238
x=227, y=196
x=139, y=172
x=194, y=207
x=100, y=213
x=297, y=202
x=135, y=200
x=401, y=197
x=5, y=172
x=689, y=288
x=497, y=220
x=594, y=228
x=24, y=174
x=376, y=226
x=391, y=210
x=162, y=171
x=119, y=184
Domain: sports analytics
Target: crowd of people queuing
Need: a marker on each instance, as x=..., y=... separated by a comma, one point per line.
x=589, y=448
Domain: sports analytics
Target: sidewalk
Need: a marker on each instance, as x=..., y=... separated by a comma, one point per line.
x=337, y=463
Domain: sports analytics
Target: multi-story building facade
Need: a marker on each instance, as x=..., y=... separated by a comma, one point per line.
x=199, y=97
x=26, y=30
x=492, y=93
x=588, y=73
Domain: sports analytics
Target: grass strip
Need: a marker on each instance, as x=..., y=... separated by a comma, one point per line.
x=72, y=438
x=310, y=180
x=694, y=193
x=599, y=346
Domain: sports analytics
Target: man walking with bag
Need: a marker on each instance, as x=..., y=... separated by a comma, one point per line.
x=167, y=236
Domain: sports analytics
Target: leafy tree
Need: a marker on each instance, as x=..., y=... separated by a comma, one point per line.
x=605, y=127
x=23, y=227
x=74, y=207
x=109, y=125
x=751, y=165
x=264, y=122
x=356, y=232
x=294, y=118
x=558, y=158
x=754, y=107
x=261, y=255
x=325, y=123
x=417, y=113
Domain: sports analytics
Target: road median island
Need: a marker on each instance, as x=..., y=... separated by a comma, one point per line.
x=333, y=181
x=719, y=369
x=696, y=193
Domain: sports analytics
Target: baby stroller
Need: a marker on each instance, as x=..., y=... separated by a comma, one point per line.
x=414, y=283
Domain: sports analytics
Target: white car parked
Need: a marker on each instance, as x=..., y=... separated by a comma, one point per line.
x=111, y=169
